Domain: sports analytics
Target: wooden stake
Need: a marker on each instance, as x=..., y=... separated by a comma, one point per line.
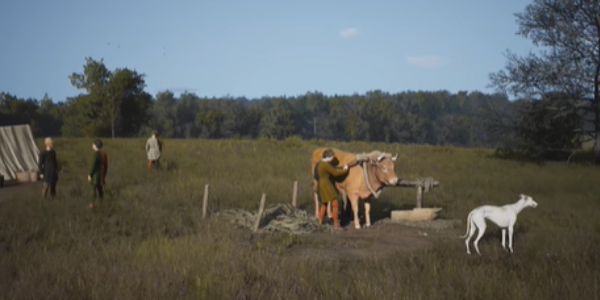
x=419, y=195
x=205, y=202
x=261, y=210
x=295, y=193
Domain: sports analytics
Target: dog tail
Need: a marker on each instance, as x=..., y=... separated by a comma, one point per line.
x=468, y=225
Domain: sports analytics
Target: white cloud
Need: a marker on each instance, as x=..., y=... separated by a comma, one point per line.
x=425, y=61
x=349, y=32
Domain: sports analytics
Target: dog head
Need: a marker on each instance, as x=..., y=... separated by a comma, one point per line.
x=528, y=200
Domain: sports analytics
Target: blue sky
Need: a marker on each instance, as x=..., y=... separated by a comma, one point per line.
x=260, y=47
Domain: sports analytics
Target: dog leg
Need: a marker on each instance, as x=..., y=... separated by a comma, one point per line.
x=472, y=229
x=480, y=223
x=510, y=238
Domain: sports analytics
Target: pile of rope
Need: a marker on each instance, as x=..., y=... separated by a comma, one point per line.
x=276, y=218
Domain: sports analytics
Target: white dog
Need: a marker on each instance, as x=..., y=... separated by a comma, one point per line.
x=503, y=216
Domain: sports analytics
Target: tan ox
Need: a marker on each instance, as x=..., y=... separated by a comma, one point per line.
x=378, y=167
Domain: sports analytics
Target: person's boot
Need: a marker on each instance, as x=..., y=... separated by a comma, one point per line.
x=335, y=209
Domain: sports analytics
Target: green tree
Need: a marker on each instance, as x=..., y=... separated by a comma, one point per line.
x=185, y=112
x=111, y=98
x=210, y=119
x=127, y=104
x=277, y=121
x=83, y=117
x=164, y=118
x=541, y=132
x=252, y=120
x=569, y=33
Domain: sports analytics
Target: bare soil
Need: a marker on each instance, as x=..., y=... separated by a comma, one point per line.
x=383, y=238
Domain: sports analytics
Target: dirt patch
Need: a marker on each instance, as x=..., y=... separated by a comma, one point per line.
x=384, y=238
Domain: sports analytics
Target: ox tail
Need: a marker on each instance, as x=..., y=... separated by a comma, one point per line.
x=468, y=226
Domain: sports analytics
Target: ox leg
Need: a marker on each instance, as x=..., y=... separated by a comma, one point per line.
x=367, y=213
x=354, y=203
x=344, y=211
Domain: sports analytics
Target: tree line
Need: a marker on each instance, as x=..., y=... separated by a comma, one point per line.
x=114, y=104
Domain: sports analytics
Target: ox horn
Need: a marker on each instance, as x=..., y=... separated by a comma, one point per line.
x=394, y=157
x=380, y=157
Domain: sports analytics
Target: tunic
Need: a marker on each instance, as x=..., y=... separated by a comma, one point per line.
x=324, y=171
x=153, y=148
x=48, y=166
x=98, y=168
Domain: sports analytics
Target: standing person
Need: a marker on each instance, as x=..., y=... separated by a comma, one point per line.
x=153, y=151
x=98, y=170
x=48, y=168
x=326, y=190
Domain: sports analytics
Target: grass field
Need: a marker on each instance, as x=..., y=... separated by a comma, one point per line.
x=147, y=240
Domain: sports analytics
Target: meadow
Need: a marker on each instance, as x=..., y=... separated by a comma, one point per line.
x=147, y=239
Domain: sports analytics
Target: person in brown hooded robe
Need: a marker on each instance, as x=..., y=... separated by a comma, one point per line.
x=326, y=190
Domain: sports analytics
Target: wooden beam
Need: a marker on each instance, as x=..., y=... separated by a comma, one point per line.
x=414, y=183
x=294, y=193
x=419, y=196
x=205, y=202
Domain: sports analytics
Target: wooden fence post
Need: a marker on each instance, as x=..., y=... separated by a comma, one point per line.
x=261, y=210
x=419, y=196
x=205, y=202
x=295, y=194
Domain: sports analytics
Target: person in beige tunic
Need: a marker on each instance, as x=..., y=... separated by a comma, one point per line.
x=153, y=151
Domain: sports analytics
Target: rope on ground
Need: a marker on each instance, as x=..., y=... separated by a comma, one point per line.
x=277, y=217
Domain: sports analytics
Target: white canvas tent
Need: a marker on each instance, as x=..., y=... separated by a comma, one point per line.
x=18, y=151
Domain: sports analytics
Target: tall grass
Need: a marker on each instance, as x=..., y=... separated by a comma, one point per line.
x=147, y=240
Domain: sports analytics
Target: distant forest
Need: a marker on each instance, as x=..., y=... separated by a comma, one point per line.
x=420, y=117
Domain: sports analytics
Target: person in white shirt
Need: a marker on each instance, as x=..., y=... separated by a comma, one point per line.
x=153, y=151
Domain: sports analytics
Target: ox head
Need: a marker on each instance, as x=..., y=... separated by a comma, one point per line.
x=528, y=200
x=385, y=165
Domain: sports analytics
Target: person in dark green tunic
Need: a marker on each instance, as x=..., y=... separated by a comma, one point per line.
x=98, y=170
x=327, y=191
x=48, y=168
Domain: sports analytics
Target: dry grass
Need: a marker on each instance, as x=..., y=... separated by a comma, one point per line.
x=148, y=241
